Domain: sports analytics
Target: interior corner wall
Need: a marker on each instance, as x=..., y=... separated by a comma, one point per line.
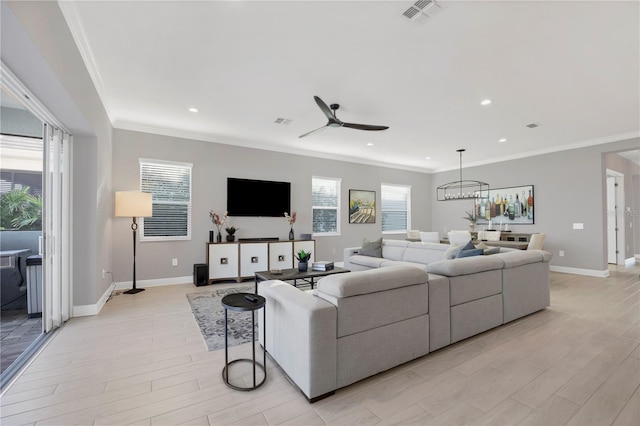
x=38, y=47
x=568, y=188
x=212, y=164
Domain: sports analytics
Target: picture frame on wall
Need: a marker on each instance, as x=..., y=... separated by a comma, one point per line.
x=362, y=206
x=511, y=205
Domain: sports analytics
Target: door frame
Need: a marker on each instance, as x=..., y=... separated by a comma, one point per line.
x=617, y=214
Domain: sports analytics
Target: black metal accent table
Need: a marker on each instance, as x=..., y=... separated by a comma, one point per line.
x=295, y=275
x=239, y=302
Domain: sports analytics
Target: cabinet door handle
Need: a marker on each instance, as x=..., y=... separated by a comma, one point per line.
x=254, y=259
x=224, y=261
x=281, y=258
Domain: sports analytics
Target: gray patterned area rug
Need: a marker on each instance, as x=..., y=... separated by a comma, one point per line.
x=209, y=313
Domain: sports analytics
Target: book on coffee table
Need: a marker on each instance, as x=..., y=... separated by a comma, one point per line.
x=322, y=266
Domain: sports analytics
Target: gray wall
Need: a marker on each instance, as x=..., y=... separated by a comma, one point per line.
x=38, y=47
x=568, y=188
x=628, y=216
x=212, y=164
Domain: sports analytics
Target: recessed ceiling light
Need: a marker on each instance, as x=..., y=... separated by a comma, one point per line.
x=502, y=140
x=427, y=158
x=192, y=109
x=370, y=144
x=485, y=102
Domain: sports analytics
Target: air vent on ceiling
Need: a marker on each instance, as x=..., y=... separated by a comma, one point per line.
x=421, y=10
x=532, y=125
x=283, y=121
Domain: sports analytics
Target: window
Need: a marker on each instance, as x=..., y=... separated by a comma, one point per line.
x=325, y=200
x=396, y=208
x=170, y=186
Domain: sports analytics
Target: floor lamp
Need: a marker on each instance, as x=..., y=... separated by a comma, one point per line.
x=133, y=204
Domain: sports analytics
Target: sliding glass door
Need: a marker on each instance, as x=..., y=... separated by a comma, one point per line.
x=56, y=243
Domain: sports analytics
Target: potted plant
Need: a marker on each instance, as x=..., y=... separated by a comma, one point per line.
x=303, y=260
x=218, y=222
x=471, y=218
x=231, y=233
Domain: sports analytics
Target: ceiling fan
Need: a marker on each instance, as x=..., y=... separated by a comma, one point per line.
x=335, y=122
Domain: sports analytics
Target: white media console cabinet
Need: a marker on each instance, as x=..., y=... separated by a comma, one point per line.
x=242, y=259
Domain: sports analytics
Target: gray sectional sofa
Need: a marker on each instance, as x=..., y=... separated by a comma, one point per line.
x=394, y=309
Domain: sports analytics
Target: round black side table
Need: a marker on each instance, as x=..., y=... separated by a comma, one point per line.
x=242, y=302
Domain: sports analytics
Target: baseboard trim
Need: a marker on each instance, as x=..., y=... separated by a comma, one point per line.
x=125, y=285
x=579, y=271
x=86, y=310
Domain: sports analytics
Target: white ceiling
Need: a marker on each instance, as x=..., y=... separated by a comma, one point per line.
x=571, y=67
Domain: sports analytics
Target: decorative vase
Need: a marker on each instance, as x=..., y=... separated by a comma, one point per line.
x=292, y=236
x=472, y=226
x=302, y=266
x=219, y=237
x=231, y=238
x=211, y=233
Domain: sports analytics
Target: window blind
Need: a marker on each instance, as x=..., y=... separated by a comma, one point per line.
x=325, y=200
x=396, y=208
x=170, y=186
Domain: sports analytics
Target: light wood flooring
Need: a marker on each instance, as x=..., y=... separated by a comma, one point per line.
x=142, y=361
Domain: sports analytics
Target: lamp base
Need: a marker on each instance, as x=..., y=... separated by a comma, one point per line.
x=134, y=291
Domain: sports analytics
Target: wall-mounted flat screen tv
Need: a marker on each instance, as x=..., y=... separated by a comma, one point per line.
x=247, y=197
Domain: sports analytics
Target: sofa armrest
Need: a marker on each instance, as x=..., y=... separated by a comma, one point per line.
x=348, y=252
x=301, y=336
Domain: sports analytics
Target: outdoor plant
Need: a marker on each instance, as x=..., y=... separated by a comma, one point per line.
x=303, y=256
x=20, y=210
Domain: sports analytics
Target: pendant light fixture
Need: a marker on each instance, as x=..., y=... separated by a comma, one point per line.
x=463, y=189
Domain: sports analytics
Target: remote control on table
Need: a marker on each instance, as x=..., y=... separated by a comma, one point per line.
x=251, y=299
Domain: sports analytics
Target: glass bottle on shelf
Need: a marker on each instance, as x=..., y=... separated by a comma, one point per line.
x=517, y=206
x=511, y=208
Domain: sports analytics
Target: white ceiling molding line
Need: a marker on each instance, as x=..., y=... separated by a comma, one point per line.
x=14, y=87
x=74, y=23
x=559, y=148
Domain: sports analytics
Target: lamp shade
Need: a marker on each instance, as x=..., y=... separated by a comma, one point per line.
x=133, y=204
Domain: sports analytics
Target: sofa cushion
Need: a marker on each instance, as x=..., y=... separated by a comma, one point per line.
x=424, y=253
x=470, y=253
x=371, y=248
x=394, y=249
x=387, y=263
x=368, y=261
x=467, y=288
x=491, y=250
x=514, y=259
x=465, y=266
x=362, y=282
x=451, y=252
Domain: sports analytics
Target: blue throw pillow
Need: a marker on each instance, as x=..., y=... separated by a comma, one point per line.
x=468, y=246
x=470, y=253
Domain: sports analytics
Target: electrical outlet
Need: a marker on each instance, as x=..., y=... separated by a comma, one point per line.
x=561, y=253
x=174, y=262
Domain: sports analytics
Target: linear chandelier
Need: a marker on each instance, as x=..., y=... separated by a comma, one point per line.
x=463, y=189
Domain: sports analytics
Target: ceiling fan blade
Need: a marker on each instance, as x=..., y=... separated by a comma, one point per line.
x=325, y=109
x=364, y=126
x=314, y=131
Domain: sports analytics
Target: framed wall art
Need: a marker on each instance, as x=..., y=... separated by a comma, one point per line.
x=513, y=206
x=362, y=206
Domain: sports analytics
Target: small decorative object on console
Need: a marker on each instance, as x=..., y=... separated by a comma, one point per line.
x=322, y=266
x=291, y=220
x=231, y=233
x=218, y=222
